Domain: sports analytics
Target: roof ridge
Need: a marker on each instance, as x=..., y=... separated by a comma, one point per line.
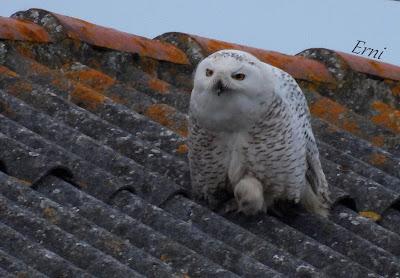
x=61, y=26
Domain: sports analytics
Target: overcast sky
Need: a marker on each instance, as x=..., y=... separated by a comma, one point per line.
x=287, y=26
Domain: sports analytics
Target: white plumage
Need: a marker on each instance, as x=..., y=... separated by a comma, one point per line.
x=250, y=134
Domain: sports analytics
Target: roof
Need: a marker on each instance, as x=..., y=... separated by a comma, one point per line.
x=94, y=177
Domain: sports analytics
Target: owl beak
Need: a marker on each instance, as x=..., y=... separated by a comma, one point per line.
x=219, y=87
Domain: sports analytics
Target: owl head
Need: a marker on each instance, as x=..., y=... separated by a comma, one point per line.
x=230, y=90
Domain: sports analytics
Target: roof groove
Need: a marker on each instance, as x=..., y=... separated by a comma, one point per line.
x=368, y=194
x=194, y=238
x=119, y=152
x=94, y=101
x=54, y=239
x=49, y=154
x=178, y=256
x=271, y=230
x=350, y=244
x=326, y=109
x=17, y=267
x=376, y=234
x=356, y=147
x=69, y=221
x=36, y=256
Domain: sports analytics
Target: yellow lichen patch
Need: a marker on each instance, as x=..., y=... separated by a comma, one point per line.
x=387, y=116
x=378, y=140
x=50, y=214
x=7, y=72
x=182, y=149
x=371, y=215
x=167, y=116
x=86, y=98
x=158, y=85
x=377, y=159
x=92, y=78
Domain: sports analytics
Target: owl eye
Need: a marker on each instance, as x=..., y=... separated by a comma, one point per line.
x=209, y=72
x=239, y=76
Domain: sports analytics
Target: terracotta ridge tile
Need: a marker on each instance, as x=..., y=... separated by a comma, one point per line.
x=22, y=30
x=61, y=26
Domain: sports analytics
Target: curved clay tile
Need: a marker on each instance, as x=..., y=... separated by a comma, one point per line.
x=300, y=67
x=372, y=67
x=61, y=26
x=14, y=29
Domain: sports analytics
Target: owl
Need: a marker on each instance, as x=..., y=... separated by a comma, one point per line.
x=250, y=137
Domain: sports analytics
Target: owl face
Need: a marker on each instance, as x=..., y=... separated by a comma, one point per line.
x=230, y=89
x=226, y=73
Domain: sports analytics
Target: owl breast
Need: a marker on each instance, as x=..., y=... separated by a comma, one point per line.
x=237, y=145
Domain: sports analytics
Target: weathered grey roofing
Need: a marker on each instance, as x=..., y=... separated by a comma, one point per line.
x=94, y=177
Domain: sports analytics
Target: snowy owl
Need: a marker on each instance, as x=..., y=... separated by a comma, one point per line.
x=250, y=135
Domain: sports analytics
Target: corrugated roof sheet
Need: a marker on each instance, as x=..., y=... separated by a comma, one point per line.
x=94, y=177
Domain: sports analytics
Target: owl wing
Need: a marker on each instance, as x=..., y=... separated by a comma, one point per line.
x=208, y=164
x=315, y=177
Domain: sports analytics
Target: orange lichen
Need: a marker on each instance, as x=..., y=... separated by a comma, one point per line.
x=160, y=113
x=110, y=38
x=38, y=69
x=351, y=126
x=387, y=116
x=378, y=141
x=298, y=66
x=15, y=29
x=158, y=85
x=20, y=87
x=377, y=159
x=22, y=181
x=92, y=78
x=372, y=67
x=371, y=215
x=396, y=91
x=166, y=116
x=62, y=84
x=25, y=50
x=327, y=109
x=86, y=97
x=7, y=72
x=50, y=214
x=182, y=149
x=117, y=99
x=164, y=258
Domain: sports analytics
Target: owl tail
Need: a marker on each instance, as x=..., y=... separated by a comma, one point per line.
x=315, y=196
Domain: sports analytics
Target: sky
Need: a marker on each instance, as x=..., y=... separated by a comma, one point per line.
x=287, y=26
